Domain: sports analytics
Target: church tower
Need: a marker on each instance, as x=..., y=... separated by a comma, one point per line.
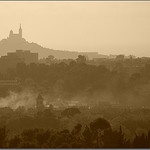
x=20, y=31
x=11, y=34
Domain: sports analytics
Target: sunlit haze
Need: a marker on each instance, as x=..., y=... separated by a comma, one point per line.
x=105, y=27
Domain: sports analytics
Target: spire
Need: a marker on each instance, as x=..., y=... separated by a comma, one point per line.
x=11, y=33
x=20, y=31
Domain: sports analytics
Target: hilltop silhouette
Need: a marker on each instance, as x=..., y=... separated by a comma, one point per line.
x=16, y=41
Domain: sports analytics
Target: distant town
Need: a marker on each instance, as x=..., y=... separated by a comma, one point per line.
x=19, y=51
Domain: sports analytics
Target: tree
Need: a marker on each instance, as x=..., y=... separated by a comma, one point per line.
x=98, y=127
x=140, y=141
x=101, y=124
x=70, y=112
x=14, y=142
x=3, y=137
x=50, y=59
x=81, y=59
x=87, y=134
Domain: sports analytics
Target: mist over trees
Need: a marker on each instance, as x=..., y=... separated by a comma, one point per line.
x=112, y=100
x=83, y=78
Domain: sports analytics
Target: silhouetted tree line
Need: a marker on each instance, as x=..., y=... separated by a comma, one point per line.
x=62, y=80
x=68, y=80
x=98, y=134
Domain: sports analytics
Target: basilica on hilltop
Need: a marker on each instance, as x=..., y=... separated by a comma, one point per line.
x=16, y=41
x=14, y=35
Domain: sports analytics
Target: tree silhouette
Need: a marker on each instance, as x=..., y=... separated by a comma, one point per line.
x=3, y=137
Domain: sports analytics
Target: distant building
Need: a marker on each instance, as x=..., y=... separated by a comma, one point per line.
x=112, y=56
x=104, y=104
x=90, y=55
x=25, y=55
x=13, y=58
x=16, y=36
x=8, y=63
x=39, y=103
x=120, y=57
x=73, y=103
x=9, y=83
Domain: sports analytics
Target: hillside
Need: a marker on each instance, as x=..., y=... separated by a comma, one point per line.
x=13, y=44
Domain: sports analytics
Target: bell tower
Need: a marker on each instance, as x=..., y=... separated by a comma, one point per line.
x=10, y=34
x=20, y=31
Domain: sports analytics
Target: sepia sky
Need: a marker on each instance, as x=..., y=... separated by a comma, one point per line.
x=106, y=27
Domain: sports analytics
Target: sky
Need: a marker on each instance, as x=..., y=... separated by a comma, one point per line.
x=105, y=27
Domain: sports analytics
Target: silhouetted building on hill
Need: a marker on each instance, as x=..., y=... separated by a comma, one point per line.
x=16, y=36
x=13, y=58
x=17, y=41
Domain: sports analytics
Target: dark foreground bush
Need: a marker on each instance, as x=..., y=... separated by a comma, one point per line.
x=98, y=135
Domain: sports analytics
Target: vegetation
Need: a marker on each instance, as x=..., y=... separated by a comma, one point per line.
x=98, y=135
x=126, y=123
x=126, y=81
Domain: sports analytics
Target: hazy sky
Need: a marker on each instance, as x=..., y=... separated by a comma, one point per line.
x=106, y=27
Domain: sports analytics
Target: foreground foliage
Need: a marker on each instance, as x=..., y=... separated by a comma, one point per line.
x=98, y=134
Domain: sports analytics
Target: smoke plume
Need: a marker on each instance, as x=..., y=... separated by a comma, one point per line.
x=24, y=98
